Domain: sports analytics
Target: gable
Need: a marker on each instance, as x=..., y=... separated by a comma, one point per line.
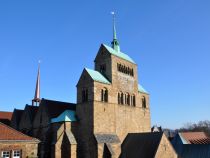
x=142, y=145
x=165, y=149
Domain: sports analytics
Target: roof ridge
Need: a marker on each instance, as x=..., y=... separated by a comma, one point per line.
x=57, y=101
x=118, y=54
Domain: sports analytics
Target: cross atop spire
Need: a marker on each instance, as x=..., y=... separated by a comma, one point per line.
x=37, y=90
x=115, y=43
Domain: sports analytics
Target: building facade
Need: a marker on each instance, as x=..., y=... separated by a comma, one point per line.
x=111, y=104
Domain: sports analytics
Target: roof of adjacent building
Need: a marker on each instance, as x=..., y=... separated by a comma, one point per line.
x=10, y=134
x=55, y=108
x=66, y=116
x=119, y=54
x=141, y=89
x=194, y=138
x=194, y=151
x=5, y=117
x=142, y=145
x=97, y=76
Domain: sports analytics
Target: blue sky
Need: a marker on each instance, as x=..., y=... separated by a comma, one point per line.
x=170, y=41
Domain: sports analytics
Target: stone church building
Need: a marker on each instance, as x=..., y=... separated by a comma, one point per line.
x=112, y=112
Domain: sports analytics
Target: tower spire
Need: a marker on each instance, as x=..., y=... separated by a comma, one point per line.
x=115, y=43
x=37, y=89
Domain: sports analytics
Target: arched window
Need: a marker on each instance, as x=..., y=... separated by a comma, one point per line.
x=84, y=95
x=122, y=98
x=133, y=100
x=144, y=103
x=118, y=98
x=131, y=72
x=104, y=95
x=128, y=99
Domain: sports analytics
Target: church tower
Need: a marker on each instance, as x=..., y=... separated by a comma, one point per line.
x=110, y=100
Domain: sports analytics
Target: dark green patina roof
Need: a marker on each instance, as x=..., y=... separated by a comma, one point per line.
x=97, y=76
x=118, y=54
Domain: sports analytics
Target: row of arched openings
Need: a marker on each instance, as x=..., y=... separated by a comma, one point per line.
x=125, y=69
x=126, y=99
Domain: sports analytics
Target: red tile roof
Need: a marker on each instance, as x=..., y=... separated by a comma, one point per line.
x=8, y=134
x=196, y=137
x=5, y=115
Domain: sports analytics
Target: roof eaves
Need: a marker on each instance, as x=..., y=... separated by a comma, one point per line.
x=97, y=76
x=119, y=54
x=141, y=89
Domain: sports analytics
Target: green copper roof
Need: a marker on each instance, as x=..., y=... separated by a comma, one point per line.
x=118, y=54
x=97, y=76
x=141, y=89
x=66, y=116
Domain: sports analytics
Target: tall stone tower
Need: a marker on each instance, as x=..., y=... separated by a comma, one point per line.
x=110, y=100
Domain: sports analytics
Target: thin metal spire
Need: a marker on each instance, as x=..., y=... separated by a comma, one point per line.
x=115, y=43
x=37, y=90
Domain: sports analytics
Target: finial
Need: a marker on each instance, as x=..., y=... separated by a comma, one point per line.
x=115, y=43
x=37, y=89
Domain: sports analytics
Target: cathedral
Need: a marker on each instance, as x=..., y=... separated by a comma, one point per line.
x=111, y=118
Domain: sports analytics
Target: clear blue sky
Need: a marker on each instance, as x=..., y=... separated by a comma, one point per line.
x=170, y=41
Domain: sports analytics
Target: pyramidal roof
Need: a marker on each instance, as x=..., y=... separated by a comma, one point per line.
x=66, y=116
x=119, y=54
x=97, y=76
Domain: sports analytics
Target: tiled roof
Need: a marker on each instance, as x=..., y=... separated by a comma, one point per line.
x=9, y=134
x=5, y=115
x=97, y=76
x=55, y=108
x=66, y=116
x=141, y=89
x=194, y=138
x=118, y=54
x=106, y=138
x=141, y=145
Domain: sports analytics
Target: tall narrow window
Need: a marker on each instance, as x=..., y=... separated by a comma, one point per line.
x=144, y=103
x=104, y=95
x=121, y=98
x=128, y=99
x=103, y=68
x=133, y=102
x=118, y=98
x=84, y=95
